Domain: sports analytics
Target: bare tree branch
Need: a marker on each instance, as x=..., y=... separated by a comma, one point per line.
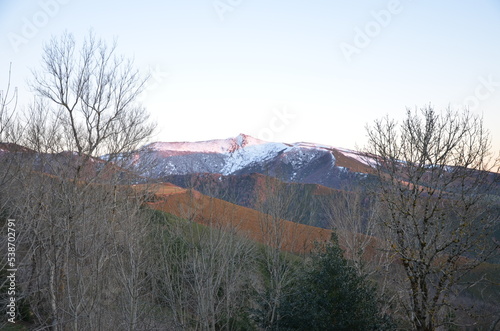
x=434, y=185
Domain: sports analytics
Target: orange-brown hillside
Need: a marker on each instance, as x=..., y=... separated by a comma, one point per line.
x=288, y=236
x=191, y=204
x=350, y=163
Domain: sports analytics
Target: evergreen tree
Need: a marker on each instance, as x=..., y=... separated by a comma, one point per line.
x=330, y=295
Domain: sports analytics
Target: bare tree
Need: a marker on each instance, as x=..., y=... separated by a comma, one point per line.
x=96, y=91
x=277, y=201
x=353, y=215
x=202, y=272
x=434, y=186
x=8, y=105
x=8, y=134
x=132, y=261
x=67, y=198
x=9, y=167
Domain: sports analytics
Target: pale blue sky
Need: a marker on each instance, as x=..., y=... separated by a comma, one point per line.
x=279, y=70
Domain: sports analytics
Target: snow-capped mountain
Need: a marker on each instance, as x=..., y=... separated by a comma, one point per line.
x=297, y=162
x=210, y=146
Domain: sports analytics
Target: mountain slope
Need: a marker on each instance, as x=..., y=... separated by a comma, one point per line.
x=293, y=237
x=298, y=162
x=192, y=205
x=253, y=190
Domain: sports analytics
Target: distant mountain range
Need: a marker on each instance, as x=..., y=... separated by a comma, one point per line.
x=304, y=163
x=239, y=170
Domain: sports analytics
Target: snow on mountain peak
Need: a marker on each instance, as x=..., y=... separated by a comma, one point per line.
x=241, y=151
x=302, y=161
x=243, y=140
x=210, y=146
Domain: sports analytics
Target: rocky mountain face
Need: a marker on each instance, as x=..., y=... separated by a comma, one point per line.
x=298, y=163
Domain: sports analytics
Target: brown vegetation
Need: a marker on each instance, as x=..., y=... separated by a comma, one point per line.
x=247, y=221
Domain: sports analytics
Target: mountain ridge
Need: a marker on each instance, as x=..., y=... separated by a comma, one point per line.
x=207, y=146
x=300, y=162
